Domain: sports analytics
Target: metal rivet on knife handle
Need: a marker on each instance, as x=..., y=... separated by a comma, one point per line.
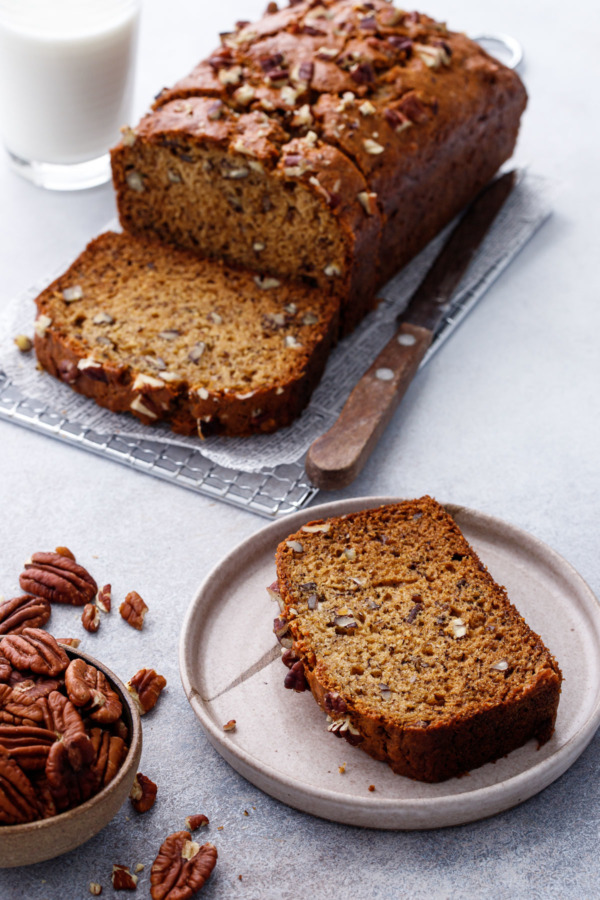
x=336, y=458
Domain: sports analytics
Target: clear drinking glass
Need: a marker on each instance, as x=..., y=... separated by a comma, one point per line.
x=66, y=86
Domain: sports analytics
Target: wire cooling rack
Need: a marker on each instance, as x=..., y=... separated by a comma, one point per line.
x=271, y=492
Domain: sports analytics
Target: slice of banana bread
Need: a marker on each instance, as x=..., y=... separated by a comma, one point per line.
x=143, y=328
x=408, y=643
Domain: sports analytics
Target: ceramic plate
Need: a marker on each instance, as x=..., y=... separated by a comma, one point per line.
x=231, y=669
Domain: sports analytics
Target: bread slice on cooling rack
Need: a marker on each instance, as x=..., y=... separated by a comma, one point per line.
x=144, y=328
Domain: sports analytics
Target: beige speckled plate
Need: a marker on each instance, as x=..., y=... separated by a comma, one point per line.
x=231, y=669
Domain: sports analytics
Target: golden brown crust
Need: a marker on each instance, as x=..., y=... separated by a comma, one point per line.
x=420, y=118
x=250, y=379
x=429, y=668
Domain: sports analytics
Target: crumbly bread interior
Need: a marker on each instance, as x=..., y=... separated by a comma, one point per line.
x=168, y=314
x=394, y=610
x=248, y=218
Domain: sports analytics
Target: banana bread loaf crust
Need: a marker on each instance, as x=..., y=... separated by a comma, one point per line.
x=331, y=141
x=409, y=645
x=144, y=328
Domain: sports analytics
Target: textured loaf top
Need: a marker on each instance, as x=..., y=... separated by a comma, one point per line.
x=143, y=328
x=379, y=124
x=409, y=644
x=379, y=84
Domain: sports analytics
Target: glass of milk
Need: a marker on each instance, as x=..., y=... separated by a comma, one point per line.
x=66, y=85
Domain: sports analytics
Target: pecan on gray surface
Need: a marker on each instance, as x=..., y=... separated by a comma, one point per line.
x=58, y=579
x=133, y=609
x=90, y=617
x=145, y=687
x=143, y=793
x=181, y=868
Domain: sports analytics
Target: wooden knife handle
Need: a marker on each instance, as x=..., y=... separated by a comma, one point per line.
x=335, y=459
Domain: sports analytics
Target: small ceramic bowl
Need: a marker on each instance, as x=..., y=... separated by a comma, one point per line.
x=34, y=842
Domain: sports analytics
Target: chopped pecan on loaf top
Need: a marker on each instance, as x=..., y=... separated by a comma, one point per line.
x=408, y=644
x=343, y=132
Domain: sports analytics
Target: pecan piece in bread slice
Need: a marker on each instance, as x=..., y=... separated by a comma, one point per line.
x=109, y=753
x=23, y=612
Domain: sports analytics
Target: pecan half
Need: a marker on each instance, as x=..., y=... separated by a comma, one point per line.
x=69, y=787
x=103, y=600
x=18, y=802
x=334, y=704
x=192, y=823
x=143, y=793
x=5, y=668
x=31, y=690
x=109, y=753
x=145, y=687
x=17, y=708
x=64, y=551
x=90, y=617
x=27, y=744
x=44, y=796
x=88, y=688
x=295, y=680
x=123, y=879
x=288, y=658
x=23, y=612
x=59, y=579
x=133, y=610
x=120, y=729
x=35, y=650
x=181, y=868
x=64, y=719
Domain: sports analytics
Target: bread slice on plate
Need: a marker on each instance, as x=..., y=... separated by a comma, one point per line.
x=408, y=644
x=144, y=328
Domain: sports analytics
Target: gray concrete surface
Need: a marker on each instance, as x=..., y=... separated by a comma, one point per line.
x=505, y=419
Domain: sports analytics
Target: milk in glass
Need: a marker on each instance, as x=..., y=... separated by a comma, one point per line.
x=66, y=82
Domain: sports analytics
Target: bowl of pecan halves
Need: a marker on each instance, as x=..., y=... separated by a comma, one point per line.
x=70, y=745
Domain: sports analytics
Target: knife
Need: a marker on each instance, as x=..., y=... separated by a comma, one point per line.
x=336, y=457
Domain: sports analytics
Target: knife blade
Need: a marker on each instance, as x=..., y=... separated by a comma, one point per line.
x=337, y=456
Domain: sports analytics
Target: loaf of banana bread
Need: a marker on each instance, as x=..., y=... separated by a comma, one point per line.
x=330, y=141
x=408, y=643
x=144, y=328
